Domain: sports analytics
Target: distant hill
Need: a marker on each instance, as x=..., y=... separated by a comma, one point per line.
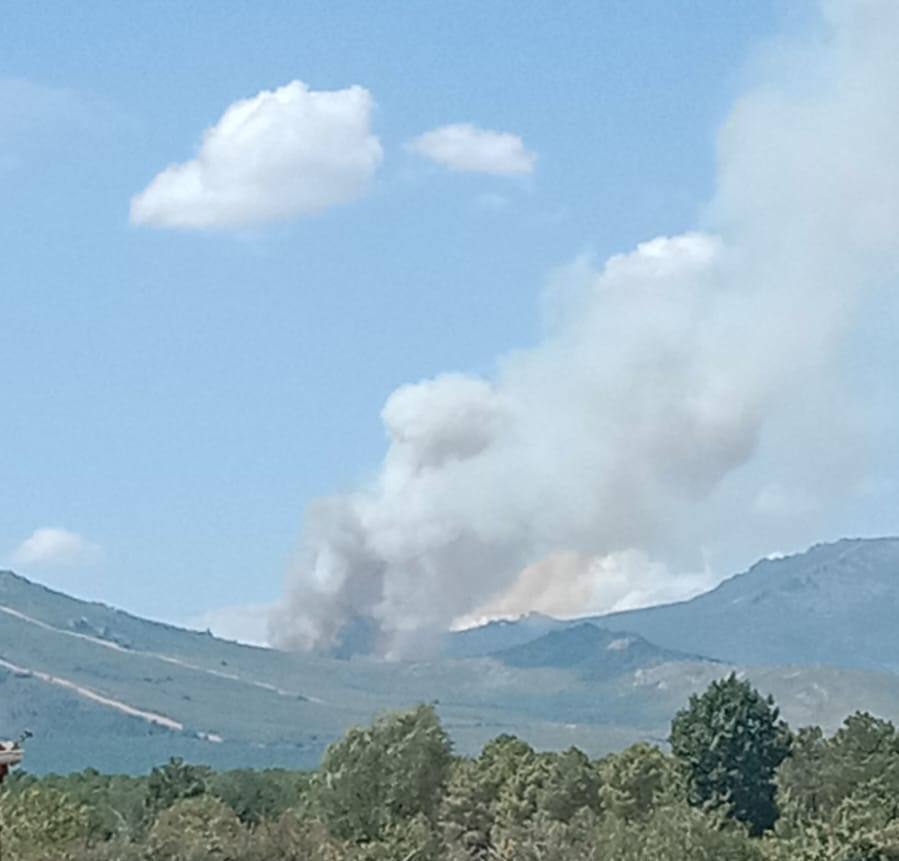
x=594, y=652
x=102, y=688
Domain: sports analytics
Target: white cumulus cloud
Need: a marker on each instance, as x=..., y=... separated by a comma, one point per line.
x=465, y=147
x=282, y=153
x=53, y=545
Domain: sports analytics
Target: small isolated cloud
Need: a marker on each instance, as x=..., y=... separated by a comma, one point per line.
x=284, y=152
x=245, y=624
x=464, y=147
x=52, y=545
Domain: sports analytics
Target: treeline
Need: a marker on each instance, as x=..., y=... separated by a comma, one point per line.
x=737, y=785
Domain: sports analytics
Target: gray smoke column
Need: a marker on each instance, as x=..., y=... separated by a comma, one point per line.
x=590, y=467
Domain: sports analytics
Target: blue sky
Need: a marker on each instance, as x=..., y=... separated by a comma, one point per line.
x=178, y=397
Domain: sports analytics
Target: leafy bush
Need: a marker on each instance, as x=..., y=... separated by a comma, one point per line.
x=194, y=829
x=41, y=822
x=378, y=778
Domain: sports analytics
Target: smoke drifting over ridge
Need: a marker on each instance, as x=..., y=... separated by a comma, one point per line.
x=590, y=466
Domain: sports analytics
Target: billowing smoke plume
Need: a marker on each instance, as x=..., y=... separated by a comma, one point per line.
x=591, y=466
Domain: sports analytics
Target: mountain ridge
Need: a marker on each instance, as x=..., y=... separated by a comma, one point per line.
x=818, y=619
x=104, y=688
x=835, y=605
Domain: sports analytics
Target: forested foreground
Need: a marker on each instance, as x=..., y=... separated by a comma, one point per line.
x=737, y=784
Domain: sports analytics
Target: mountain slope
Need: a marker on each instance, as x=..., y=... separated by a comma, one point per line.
x=101, y=688
x=836, y=604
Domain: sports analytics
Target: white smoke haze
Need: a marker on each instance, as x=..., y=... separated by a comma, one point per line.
x=591, y=471
x=568, y=585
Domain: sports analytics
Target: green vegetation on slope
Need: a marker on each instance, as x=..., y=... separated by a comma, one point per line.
x=739, y=785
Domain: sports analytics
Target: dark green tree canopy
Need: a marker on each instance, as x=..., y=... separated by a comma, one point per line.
x=173, y=781
x=393, y=792
x=731, y=741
